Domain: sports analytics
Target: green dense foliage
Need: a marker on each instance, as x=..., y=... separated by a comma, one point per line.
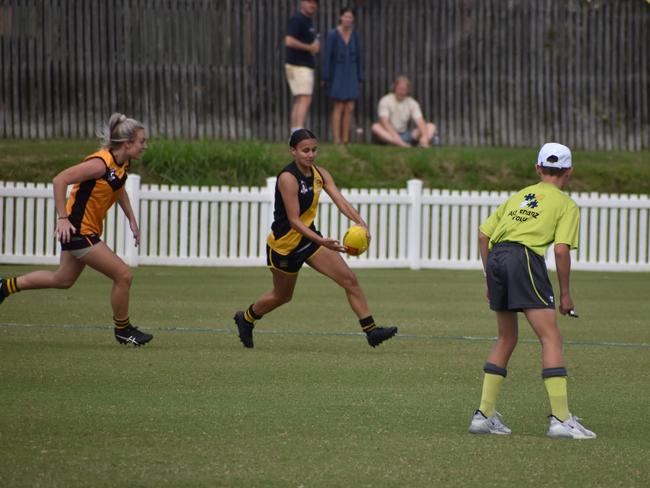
x=209, y=162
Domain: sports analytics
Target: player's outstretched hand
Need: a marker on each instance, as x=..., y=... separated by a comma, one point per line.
x=333, y=244
x=367, y=234
x=64, y=230
x=566, y=304
x=136, y=232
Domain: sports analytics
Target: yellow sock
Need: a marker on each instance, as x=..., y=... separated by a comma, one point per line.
x=491, y=388
x=557, y=395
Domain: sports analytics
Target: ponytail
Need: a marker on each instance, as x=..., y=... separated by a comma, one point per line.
x=119, y=130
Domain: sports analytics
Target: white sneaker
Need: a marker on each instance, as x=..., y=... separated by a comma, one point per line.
x=483, y=425
x=569, y=429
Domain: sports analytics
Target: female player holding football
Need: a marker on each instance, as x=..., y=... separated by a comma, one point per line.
x=98, y=182
x=294, y=240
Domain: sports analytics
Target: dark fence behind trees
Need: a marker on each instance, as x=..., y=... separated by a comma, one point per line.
x=489, y=72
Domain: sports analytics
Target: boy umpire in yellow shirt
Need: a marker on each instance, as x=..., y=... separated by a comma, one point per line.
x=512, y=243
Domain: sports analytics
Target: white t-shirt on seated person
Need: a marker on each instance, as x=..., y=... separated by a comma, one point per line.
x=399, y=114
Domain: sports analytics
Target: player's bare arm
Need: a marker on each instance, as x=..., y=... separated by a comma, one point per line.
x=341, y=203
x=125, y=204
x=339, y=200
x=483, y=245
x=563, y=265
x=88, y=170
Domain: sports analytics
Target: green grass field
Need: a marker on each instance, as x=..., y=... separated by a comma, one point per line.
x=312, y=405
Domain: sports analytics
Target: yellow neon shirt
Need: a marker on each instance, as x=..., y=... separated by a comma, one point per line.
x=535, y=217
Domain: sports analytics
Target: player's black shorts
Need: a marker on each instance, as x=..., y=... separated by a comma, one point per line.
x=79, y=245
x=292, y=262
x=517, y=279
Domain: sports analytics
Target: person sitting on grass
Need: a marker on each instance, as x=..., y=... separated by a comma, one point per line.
x=398, y=112
x=512, y=243
x=98, y=182
x=294, y=241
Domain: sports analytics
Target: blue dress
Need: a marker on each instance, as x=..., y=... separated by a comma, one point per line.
x=341, y=68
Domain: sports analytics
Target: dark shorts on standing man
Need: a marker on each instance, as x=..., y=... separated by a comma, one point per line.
x=79, y=245
x=517, y=279
x=292, y=262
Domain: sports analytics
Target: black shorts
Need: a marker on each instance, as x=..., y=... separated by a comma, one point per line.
x=79, y=244
x=292, y=262
x=517, y=279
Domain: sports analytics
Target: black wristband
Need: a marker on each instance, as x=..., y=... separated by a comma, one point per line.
x=66, y=217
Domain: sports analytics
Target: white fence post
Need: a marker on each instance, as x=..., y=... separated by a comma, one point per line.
x=130, y=251
x=415, y=223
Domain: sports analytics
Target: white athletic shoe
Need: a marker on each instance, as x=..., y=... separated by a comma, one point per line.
x=483, y=425
x=569, y=429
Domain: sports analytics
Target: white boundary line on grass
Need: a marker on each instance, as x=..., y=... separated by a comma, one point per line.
x=637, y=345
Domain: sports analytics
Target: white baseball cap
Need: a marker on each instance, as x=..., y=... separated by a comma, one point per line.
x=554, y=155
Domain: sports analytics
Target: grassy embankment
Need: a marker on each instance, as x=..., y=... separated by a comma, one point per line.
x=354, y=166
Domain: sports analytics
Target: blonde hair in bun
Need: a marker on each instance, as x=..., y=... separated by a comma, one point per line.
x=119, y=130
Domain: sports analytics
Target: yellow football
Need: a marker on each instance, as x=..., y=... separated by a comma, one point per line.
x=355, y=240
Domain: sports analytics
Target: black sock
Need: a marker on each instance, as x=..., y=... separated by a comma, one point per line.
x=368, y=324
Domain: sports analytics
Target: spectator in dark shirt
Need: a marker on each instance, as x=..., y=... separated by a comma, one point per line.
x=302, y=44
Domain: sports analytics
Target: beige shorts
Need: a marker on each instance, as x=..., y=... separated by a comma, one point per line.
x=80, y=245
x=301, y=79
x=80, y=253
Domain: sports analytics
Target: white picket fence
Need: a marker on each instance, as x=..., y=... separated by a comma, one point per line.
x=221, y=226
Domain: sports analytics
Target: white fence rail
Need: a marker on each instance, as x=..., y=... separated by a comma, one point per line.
x=221, y=226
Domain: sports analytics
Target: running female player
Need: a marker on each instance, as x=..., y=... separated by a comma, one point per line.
x=98, y=182
x=294, y=240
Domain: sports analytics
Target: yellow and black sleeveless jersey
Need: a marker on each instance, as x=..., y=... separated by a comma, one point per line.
x=90, y=200
x=283, y=239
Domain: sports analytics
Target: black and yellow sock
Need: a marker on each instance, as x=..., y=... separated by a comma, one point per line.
x=556, y=387
x=251, y=316
x=121, y=323
x=368, y=324
x=492, y=381
x=9, y=287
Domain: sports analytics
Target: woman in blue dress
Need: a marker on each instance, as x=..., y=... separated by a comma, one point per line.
x=341, y=71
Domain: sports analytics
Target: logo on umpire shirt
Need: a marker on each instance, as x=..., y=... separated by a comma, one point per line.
x=527, y=208
x=529, y=201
